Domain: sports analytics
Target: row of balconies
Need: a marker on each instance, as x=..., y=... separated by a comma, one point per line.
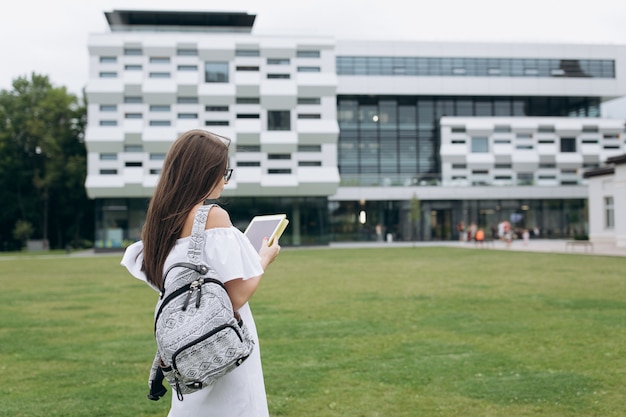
x=158, y=91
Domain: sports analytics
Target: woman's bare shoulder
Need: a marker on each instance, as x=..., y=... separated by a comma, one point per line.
x=218, y=217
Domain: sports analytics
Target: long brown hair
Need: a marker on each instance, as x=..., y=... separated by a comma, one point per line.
x=192, y=169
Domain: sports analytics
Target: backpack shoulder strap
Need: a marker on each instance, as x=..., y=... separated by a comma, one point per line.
x=196, y=245
x=196, y=241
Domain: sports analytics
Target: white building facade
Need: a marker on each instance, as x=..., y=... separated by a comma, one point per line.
x=350, y=137
x=607, y=202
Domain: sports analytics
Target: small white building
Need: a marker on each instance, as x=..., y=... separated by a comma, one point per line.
x=607, y=202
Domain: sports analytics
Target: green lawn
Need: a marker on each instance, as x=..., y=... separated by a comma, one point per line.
x=350, y=332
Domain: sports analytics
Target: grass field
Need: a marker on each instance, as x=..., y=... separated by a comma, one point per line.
x=388, y=332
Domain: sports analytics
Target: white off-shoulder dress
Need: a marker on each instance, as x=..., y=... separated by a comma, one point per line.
x=240, y=393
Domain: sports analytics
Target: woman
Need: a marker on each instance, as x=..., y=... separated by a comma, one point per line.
x=195, y=170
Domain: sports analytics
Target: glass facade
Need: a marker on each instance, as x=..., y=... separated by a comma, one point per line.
x=119, y=221
x=395, y=140
x=415, y=220
x=474, y=67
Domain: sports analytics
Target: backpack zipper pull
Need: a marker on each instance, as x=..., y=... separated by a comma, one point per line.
x=186, y=303
x=198, y=296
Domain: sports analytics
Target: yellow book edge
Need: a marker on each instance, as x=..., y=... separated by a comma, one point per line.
x=279, y=230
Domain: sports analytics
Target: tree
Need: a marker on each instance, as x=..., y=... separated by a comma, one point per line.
x=43, y=162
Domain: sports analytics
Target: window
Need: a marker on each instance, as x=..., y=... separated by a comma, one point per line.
x=159, y=75
x=160, y=107
x=309, y=163
x=248, y=164
x=108, y=172
x=187, y=100
x=459, y=166
x=133, y=115
x=133, y=67
x=502, y=129
x=187, y=68
x=279, y=120
x=458, y=141
x=108, y=60
x=309, y=116
x=309, y=100
x=525, y=178
x=278, y=76
x=108, y=107
x=546, y=141
x=281, y=156
x=249, y=68
x=309, y=69
x=248, y=100
x=503, y=166
x=609, y=213
x=308, y=54
x=216, y=108
x=108, y=157
x=108, y=74
x=568, y=145
x=248, y=116
x=187, y=52
x=155, y=171
x=480, y=171
x=458, y=129
x=569, y=171
x=133, y=148
x=590, y=129
x=277, y=61
x=187, y=115
x=501, y=141
x=160, y=123
x=131, y=164
x=524, y=147
x=216, y=123
x=480, y=145
x=279, y=171
x=108, y=123
x=133, y=51
x=545, y=129
x=547, y=165
x=159, y=60
x=133, y=100
x=216, y=72
x=157, y=156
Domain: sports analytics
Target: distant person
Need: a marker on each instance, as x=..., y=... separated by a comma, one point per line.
x=525, y=237
x=480, y=237
x=508, y=234
x=195, y=170
x=460, y=228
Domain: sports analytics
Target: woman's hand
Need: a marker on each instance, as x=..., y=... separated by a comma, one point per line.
x=268, y=252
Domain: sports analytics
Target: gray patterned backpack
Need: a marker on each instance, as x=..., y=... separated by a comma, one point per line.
x=199, y=336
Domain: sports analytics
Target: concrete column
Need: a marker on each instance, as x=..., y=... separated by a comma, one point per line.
x=294, y=224
x=619, y=205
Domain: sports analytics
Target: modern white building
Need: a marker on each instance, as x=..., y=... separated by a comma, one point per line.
x=350, y=137
x=607, y=202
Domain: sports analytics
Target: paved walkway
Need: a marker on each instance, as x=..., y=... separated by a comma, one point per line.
x=534, y=245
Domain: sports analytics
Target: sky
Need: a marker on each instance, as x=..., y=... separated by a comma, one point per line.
x=50, y=37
